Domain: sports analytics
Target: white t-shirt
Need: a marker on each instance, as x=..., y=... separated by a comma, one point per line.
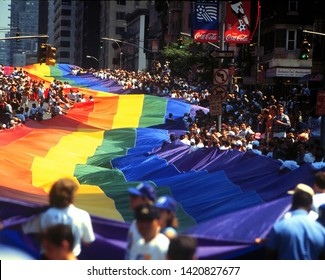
x=78, y=219
x=155, y=249
x=318, y=200
x=132, y=238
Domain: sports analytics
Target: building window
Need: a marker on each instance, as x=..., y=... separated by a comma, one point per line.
x=66, y=12
x=293, y=6
x=291, y=40
x=65, y=33
x=65, y=44
x=120, y=16
x=121, y=2
x=120, y=30
x=65, y=22
x=64, y=54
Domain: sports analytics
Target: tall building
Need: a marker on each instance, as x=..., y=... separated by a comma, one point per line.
x=282, y=25
x=113, y=25
x=4, y=57
x=62, y=29
x=137, y=46
x=24, y=16
x=87, y=29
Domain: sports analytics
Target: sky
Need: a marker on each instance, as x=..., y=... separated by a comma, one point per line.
x=4, y=14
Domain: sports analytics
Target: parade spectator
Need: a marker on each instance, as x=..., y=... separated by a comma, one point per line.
x=319, y=188
x=314, y=125
x=297, y=237
x=144, y=193
x=168, y=221
x=182, y=247
x=57, y=242
x=40, y=110
x=152, y=245
x=281, y=123
x=63, y=211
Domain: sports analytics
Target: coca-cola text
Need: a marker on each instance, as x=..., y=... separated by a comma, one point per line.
x=205, y=36
x=237, y=38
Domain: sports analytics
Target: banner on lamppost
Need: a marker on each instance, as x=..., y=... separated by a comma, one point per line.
x=238, y=23
x=154, y=45
x=205, y=22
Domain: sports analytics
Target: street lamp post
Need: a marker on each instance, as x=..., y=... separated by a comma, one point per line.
x=121, y=53
x=127, y=43
x=119, y=46
x=92, y=57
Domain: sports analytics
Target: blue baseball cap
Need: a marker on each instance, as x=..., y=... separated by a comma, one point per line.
x=144, y=189
x=166, y=202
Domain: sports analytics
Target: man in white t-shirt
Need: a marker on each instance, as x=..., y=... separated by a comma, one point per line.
x=143, y=193
x=319, y=188
x=153, y=245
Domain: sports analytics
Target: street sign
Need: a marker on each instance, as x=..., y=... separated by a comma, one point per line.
x=222, y=54
x=221, y=76
x=221, y=91
x=215, y=105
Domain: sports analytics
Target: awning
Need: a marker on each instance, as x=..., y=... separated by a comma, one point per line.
x=315, y=77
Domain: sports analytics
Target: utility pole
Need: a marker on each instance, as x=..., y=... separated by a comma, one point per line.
x=25, y=37
x=222, y=15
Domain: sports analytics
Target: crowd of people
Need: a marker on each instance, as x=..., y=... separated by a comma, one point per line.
x=287, y=129
x=63, y=230
x=23, y=98
x=251, y=122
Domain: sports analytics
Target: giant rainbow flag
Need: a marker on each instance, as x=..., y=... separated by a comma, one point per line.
x=226, y=199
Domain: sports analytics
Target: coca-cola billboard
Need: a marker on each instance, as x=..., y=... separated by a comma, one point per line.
x=205, y=36
x=236, y=37
x=205, y=22
x=238, y=24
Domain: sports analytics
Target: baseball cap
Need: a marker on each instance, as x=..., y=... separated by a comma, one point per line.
x=302, y=187
x=144, y=189
x=146, y=212
x=166, y=202
x=256, y=143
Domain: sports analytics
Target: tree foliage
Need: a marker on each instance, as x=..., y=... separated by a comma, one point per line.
x=191, y=56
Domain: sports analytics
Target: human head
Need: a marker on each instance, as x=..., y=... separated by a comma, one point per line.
x=182, y=247
x=167, y=207
x=142, y=193
x=166, y=203
x=255, y=144
x=62, y=193
x=58, y=242
x=280, y=109
x=319, y=182
x=147, y=219
x=302, y=197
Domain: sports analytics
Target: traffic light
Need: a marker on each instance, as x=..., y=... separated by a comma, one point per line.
x=180, y=43
x=50, y=55
x=17, y=35
x=305, y=50
x=101, y=44
x=41, y=54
